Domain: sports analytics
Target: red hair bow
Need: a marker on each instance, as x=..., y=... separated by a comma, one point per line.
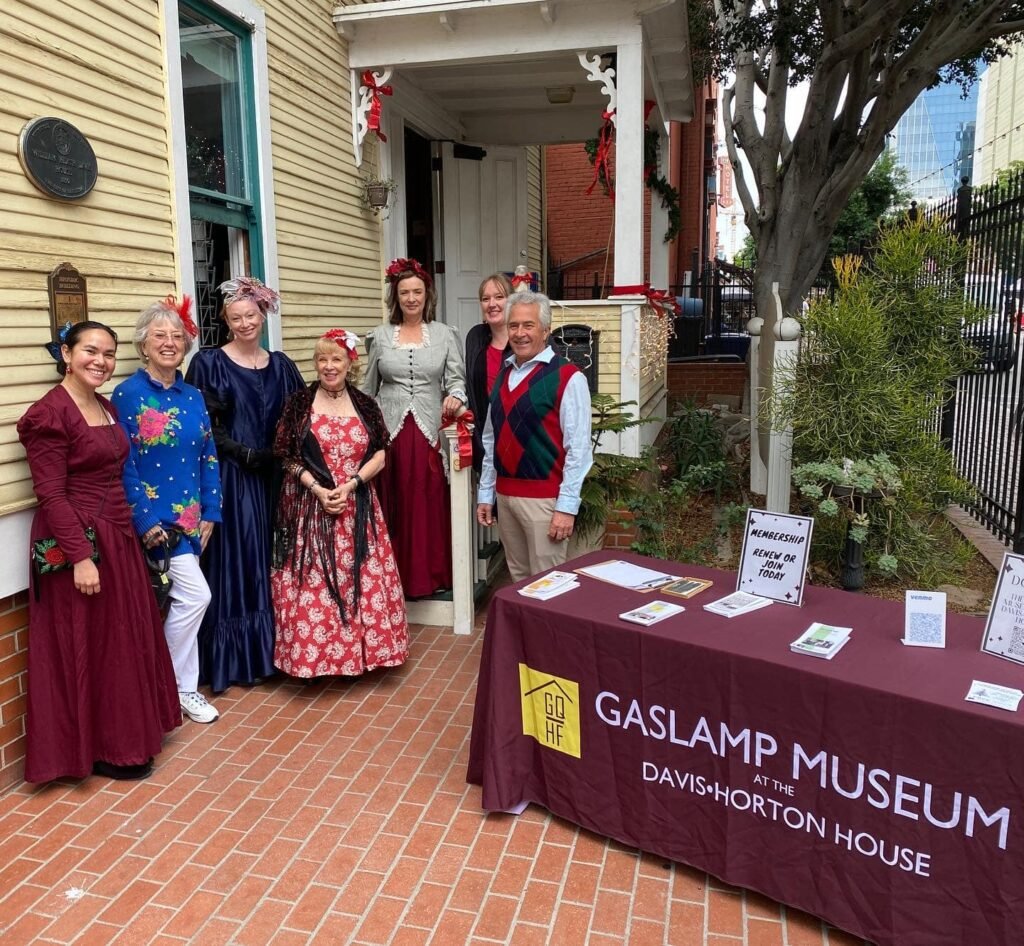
x=184, y=311
x=347, y=340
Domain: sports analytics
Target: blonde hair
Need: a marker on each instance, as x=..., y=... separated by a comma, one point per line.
x=324, y=346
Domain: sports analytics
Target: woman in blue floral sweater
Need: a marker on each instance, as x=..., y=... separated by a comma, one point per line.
x=172, y=480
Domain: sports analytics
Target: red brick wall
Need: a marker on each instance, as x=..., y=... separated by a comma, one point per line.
x=13, y=682
x=701, y=381
x=620, y=532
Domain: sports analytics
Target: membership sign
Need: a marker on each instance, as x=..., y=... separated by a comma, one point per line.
x=773, y=562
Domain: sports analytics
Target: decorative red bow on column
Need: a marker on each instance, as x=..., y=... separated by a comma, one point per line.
x=376, y=91
x=659, y=299
x=465, y=436
x=605, y=138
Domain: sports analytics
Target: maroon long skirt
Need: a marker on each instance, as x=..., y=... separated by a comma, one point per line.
x=414, y=495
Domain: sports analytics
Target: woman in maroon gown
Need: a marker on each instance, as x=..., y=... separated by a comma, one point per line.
x=101, y=688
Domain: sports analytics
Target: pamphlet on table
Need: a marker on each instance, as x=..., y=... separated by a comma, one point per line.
x=652, y=612
x=821, y=640
x=550, y=585
x=992, y=694
x=1004, y=629
x=773, y=561
x=925, y=619
x=739, y=602
x=628, y=575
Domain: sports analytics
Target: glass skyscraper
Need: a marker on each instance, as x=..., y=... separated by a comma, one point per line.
x=935, y=141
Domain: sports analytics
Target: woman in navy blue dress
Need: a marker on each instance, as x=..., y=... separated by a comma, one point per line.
x=244, y=387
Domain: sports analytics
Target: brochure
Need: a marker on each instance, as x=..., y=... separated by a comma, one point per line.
x=739, y=602
x=686, y=587
x=821, y=640
x=550, y=585
x=992, y=694
x=628, y=575
x=925, y=619
x=652, y=612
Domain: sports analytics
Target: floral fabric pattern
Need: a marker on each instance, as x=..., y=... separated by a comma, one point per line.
x=313, y=638
x=154, y=425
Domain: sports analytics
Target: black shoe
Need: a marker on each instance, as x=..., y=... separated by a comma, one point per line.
x=123, y=773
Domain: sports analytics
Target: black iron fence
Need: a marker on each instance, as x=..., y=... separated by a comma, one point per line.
x=981, y=422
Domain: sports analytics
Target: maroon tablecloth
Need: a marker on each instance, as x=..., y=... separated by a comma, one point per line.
x=863, y=790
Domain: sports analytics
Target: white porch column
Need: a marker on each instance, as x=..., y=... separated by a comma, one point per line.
x=658, y=265
x=629, y=160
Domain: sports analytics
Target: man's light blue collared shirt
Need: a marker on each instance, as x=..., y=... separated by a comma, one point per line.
x=574, y=419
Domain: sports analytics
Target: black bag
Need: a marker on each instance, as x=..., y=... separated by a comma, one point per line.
x=159, y=580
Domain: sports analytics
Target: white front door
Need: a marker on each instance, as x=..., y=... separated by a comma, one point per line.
x=484, y=226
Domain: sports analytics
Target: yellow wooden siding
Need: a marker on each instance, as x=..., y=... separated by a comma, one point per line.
x=606, y=320
x=99, y=64
x=652, y=376
x=535, y=211
x=328, y=245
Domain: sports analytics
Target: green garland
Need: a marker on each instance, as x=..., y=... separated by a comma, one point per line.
x=670, y=197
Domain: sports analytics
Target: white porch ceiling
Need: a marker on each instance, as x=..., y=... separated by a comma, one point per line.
x=488, y=63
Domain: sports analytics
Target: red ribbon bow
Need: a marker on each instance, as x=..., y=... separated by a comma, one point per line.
x=605, y=138
x=465, y=436
x=376, y=91
x=659, y=299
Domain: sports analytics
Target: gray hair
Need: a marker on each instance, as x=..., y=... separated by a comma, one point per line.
x=541, y=301
x=158, y=312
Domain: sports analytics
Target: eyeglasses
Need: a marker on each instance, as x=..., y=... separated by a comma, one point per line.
x=165, y=336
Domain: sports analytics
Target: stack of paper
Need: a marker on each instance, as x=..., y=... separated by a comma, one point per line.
x=550, y=585
x=992, y=694
x=628, y=575
x=821, y=640
x=652, y=612
x=739, y=602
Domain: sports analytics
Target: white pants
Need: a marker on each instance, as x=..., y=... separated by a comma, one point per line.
x=190, y=597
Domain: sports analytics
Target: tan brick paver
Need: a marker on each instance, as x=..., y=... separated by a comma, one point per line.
x=338, y=814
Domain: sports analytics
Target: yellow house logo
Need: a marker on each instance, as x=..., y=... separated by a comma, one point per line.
x=551, y=710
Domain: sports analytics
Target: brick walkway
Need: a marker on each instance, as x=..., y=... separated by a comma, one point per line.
x=339, y=814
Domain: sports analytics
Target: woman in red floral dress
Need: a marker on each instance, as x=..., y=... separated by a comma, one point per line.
x=338, y=601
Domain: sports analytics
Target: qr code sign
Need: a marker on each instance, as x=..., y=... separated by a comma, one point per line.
x=926, y=628
x=1016, y=647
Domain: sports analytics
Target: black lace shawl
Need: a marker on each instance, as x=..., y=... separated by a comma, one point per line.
x=299, y=512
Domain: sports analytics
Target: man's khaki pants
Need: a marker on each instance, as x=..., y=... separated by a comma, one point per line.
x=523, y=529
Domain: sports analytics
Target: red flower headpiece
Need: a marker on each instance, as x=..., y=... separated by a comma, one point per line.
x=184, y=311
x=249, y=287
x=402, y=265
x=347, y=340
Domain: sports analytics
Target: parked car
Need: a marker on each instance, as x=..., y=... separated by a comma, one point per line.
x=995, y=339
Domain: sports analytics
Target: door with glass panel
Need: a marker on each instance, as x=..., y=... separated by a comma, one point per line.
x=220, y=142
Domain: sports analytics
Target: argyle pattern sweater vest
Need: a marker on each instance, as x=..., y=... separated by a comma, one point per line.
x=528, y=450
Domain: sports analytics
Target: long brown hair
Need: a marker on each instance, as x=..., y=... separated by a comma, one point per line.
x=394, y=278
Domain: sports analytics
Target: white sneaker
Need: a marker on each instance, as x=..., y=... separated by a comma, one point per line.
x=195, y=707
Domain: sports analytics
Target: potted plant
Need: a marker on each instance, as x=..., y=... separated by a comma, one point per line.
x=861, y=491
x=612, y=478
x=376, y=192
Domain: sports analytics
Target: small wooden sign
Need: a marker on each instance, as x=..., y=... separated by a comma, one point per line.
x=69, y=300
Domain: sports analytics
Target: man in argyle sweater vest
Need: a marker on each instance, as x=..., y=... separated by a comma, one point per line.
x=536, y=440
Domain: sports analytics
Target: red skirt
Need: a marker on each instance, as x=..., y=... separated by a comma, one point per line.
x=414, y=495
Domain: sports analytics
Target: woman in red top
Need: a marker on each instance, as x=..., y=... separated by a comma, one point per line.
x=487, y=348
x=101, y=688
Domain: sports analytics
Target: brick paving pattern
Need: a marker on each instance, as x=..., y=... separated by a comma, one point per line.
x=339, y=814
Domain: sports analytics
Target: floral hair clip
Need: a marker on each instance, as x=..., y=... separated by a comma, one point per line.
x=249, y=287
x=54, y=347
x=184, y=312
x=403, y=265
x=347, y=340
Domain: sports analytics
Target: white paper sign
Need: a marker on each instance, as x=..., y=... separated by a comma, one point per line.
x=924, y=623
x=1004, y=629
x=773, y=562
x=992, y=694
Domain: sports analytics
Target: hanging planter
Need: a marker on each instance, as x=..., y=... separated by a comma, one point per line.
x=376, y=193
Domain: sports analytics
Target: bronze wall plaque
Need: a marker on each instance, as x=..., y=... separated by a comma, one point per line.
x=579, y=344
x=69, y=301
x=57, y=158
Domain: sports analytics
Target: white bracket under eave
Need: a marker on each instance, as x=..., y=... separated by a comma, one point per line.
x=362, y=99
x=592, y=66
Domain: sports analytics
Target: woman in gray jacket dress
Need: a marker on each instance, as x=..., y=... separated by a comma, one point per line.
x=416, y=371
